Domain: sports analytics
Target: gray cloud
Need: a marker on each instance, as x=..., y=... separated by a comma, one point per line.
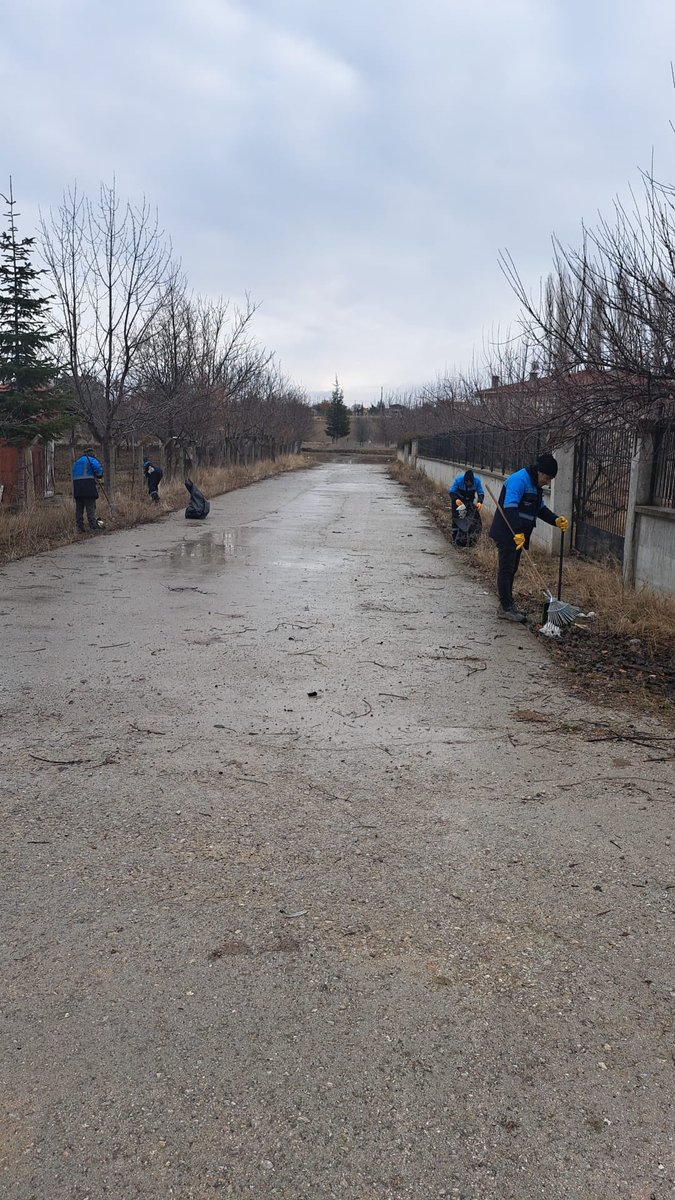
x=354, y=167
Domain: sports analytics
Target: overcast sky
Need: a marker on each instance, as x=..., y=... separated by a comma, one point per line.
x=355, y=165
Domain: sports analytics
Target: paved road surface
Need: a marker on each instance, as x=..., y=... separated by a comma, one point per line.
x=295, y=905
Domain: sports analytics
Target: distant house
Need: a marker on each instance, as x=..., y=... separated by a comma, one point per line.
x=26, y=473
x=587, y=398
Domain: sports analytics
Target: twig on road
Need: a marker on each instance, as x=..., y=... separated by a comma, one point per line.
x=289, y=625
x=403, y=612
x=59, y=762
x=355, y=715
x=72, y=762
x=188, y=589
x=601, y=779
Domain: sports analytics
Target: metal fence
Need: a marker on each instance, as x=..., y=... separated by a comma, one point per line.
x=663, y=474
x=602, y=468
x=498, y=450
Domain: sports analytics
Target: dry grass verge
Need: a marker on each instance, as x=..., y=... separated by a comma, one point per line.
x=626, y=653
x=52, y=523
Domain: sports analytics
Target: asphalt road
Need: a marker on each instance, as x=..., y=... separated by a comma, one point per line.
x=316, y=880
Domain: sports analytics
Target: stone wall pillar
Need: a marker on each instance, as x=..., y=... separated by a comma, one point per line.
x=639, y=492
x=562, y=488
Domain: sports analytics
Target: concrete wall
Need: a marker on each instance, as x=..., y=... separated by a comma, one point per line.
x=654, y=542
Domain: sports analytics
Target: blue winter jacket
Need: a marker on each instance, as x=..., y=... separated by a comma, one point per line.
x=460, y=490
x=521, y=498
x=86, y=470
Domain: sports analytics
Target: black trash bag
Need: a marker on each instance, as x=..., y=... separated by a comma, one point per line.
x=466, y=530
x=198, y=506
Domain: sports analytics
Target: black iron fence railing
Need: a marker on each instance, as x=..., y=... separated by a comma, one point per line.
x=498, y=450
x=663, y=474
x=602, y=471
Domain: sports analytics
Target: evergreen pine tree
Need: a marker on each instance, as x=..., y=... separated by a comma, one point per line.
x=31, y=406
x=338, y=421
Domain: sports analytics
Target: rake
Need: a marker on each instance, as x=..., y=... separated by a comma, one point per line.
x=558, y=614
x=107, y=497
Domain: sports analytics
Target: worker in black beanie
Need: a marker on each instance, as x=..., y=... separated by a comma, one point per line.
x=520, y=504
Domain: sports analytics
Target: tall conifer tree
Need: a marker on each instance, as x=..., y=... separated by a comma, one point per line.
x=338, y=419
x=31, y=405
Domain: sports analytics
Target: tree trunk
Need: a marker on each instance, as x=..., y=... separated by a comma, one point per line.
x=108, y=452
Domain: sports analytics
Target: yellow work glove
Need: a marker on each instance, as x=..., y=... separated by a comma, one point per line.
x=519, y=539
x=562, y=523
x=479, y=505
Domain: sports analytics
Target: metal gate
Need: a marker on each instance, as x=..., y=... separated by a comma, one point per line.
x=602, y=462
x=662, y=493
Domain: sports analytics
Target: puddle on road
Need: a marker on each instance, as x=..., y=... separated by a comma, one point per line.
x=211, y=549
x=302, y=564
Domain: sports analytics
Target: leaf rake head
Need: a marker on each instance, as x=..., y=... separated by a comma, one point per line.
x=561, y=615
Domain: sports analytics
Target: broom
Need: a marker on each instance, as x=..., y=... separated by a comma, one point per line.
x=558, y=614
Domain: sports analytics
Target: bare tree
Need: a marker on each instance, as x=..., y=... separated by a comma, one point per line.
x=205, y=387
x=112, y=271
x=164, y=374
x=604, y=321
x=361, y=430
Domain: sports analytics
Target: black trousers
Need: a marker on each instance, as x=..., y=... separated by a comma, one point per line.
x=154, y=478
x=509, y=561
x=88, y=503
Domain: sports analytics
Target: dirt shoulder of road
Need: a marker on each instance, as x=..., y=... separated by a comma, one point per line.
x=625, y=657
x=51, y=524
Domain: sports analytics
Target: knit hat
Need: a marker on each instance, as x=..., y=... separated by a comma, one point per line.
x=547, y=465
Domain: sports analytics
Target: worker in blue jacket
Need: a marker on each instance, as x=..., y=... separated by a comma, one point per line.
x=153, y=474
x=466, y=496
x=86, y=470
x=468, y=489
x=521, y=503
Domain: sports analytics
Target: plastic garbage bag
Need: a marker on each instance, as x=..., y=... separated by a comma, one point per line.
x=198, y=506
x=466, y=530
